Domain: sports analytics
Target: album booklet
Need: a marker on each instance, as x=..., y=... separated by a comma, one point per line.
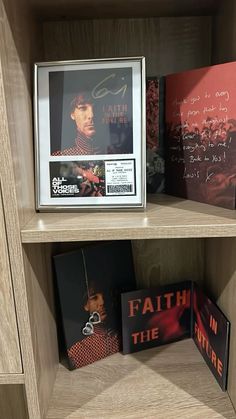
x=157, y=316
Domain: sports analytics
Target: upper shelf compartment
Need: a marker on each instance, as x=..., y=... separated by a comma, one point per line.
x=67, y=9
x=165, y=217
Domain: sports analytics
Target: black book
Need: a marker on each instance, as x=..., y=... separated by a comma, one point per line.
x=210, y=332
x=90, y=281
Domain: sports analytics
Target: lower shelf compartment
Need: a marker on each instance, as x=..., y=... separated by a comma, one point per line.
x=171, y=381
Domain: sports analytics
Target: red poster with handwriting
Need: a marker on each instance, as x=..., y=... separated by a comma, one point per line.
x=201, y=134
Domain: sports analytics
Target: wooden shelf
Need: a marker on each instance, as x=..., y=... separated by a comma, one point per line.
x=52, y=9
x=169, y=382
x=165, y=217
x=12, y=379
x=172, y=381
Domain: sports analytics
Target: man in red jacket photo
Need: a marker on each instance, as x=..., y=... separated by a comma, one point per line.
x=100, y=338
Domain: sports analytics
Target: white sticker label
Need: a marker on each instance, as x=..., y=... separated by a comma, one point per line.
x=120, y=177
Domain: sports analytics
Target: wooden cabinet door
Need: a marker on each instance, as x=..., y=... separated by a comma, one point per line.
x=10, y=357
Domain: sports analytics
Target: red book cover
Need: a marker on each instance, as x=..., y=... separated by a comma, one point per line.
x=201, y=135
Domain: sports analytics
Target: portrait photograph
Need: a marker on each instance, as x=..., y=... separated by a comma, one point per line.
x=91, y=112
x=90, y=134
x=89, y=284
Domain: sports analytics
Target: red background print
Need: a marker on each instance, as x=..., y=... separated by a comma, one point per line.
x=172, y=321
x=171, y=317
x=209, y=340
x=201, y=135
x=192, y=94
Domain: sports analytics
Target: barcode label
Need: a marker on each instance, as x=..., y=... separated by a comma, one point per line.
x=120, y=177
x=119, y=188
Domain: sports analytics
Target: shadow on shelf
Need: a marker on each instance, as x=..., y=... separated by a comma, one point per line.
x=188, y=205
x=171, y=381
x=187, y=374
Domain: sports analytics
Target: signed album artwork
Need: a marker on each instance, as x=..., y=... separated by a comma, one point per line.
x=90, y=129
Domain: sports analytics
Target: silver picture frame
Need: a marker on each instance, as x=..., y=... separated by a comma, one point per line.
x=90, y=134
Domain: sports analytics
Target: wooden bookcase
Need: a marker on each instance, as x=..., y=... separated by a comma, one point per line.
x=172, y=240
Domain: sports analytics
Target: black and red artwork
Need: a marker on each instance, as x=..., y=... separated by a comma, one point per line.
x=157, y=316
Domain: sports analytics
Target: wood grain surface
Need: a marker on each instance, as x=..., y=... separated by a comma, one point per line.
x=161, y=40
x=40, y=295
x=12, y=402
x=52, y=9
x=173, y=381
x=12, y=379
x=16, y=165
x=10, y=358
x=224, y=32
x=170, y=382
x=17, y=32
x=161, y=262
x=165, y=217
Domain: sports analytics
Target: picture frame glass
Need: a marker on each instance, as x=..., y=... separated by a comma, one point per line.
x=90, y=134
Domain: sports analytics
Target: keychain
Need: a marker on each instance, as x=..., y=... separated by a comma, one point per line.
x=94, y=317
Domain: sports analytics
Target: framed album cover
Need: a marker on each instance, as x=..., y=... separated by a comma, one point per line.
x=90, y=134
